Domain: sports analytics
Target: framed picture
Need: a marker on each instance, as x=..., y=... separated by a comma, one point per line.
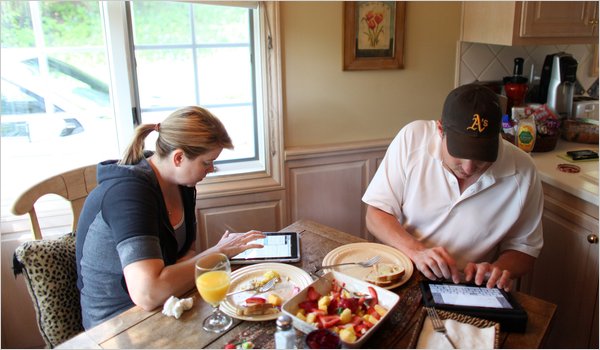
x=373, y=34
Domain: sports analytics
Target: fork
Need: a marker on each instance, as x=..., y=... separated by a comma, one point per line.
x=438, y=324
x=259, y=289
x=367, y=263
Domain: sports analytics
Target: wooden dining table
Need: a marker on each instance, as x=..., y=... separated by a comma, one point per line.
x=136, y=328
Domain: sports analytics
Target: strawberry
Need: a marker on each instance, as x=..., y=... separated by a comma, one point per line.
x=255, y=300
x=328, y=321
x=312, y=294
x=373, y=293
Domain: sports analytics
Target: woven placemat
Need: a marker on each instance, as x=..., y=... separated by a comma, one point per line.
x=444, y=315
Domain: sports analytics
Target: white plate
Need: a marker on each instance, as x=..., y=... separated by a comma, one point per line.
x=362, y=251
x=292, y=281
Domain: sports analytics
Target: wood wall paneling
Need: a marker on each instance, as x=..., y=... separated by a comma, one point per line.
x=326, y=184
x=260, y=211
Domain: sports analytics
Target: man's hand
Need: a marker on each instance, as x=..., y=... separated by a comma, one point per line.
x=496, y=277
x=436, y=263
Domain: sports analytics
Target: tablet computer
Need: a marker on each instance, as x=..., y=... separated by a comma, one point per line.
x=278, y=247
x=477, y=301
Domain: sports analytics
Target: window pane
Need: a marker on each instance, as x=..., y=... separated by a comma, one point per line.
x=160, y=22
x=56, y=108
x=218, y=68
x=164, y=78
x=221, y=24
x=206, y=62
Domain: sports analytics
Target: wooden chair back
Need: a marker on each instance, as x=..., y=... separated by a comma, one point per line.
x=73, y=185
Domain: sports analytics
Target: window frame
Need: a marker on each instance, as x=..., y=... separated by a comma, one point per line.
x=119, y=46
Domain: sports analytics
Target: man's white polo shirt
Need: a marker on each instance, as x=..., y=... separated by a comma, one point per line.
x=501, y=211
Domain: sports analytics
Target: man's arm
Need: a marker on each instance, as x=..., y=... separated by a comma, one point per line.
x=433, y=262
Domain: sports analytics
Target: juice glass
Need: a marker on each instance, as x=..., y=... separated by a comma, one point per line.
x=213, y=277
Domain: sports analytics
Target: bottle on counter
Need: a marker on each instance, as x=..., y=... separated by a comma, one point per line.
x=526, y=132
x=285, y=336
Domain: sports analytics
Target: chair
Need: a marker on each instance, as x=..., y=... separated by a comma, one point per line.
x=48, y=265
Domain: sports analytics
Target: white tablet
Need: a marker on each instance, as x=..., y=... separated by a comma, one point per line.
x=278, y=247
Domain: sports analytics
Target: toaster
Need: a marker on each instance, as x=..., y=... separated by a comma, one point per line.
x=585, y=108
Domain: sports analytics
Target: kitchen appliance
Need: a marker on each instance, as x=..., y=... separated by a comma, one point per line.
x=585, y=108
x=515, y=87
x=557, y=83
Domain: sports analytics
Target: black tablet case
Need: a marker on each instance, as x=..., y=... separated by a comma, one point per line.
x=510, y=320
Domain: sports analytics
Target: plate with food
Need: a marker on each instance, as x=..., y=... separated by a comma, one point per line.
x=246, y=302
x=393, y=270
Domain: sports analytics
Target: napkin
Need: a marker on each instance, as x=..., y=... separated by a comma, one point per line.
x=465, y=336
x=175, y=306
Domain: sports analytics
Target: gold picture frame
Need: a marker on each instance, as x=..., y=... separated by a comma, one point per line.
x=374, y=35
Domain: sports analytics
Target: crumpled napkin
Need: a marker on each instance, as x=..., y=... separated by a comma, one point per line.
x=465, y=336
x=175, y=306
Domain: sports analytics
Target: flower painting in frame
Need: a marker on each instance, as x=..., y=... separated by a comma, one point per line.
x=373, y=35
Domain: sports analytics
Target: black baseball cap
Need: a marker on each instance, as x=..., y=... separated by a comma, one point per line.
x=472, y=118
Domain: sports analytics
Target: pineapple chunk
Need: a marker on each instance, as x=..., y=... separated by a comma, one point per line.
x=370, y=318
x=324, y=302
x=380, y=310
x=269, y=275
x=274, y=299
x=301, y=315
x=348, y=335
x=345, y=316
x=311, y=317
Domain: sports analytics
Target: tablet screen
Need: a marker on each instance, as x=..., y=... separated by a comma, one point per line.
x=461, y=295
x=278, y=246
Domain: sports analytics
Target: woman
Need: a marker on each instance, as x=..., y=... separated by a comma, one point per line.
x=136, y=232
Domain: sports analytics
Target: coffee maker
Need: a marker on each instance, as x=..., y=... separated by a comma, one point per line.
x=557, y=83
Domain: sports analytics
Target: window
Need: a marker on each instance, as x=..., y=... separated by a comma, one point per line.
x=71, y=94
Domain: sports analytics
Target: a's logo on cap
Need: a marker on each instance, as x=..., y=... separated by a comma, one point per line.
x=479, y=124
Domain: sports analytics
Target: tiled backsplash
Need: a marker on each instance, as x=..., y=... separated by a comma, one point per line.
x=483, y=62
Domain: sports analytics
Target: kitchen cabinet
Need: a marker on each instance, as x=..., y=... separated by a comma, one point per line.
x=566, y=272
x=530, y=22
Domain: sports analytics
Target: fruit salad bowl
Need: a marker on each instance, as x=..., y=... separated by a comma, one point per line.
x=349, y=307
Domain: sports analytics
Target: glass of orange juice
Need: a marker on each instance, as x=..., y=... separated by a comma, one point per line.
x=213, y=277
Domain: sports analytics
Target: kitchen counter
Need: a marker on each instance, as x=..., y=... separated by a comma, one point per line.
x=583, y=185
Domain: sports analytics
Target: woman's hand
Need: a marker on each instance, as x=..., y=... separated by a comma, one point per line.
x=231, y=244
x=496, y=277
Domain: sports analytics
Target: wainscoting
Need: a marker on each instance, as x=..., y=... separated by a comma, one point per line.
x=326, y=184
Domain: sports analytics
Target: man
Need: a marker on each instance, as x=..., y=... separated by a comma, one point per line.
x=456, y=198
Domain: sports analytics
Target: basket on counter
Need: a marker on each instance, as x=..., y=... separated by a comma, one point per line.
x=577, y=131
x=545, y=143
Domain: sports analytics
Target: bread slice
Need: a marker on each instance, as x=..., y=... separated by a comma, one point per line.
x=385, y=274
x=256, y=309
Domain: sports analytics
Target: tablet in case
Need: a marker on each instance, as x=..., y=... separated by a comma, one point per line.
x=282, y=247
x=478, y=301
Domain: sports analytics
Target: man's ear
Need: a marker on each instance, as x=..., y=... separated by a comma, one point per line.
x=440, y=128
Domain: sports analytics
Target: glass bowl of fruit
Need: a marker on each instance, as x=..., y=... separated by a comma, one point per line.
x=351, y=308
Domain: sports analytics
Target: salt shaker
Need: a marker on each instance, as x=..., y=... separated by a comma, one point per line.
x=285, y=336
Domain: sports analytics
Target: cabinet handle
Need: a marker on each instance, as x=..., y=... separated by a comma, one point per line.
x=592, y=238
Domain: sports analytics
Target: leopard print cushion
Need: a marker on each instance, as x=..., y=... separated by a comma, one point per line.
x=50, y=274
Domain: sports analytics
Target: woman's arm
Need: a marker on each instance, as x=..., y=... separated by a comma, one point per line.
x=150, y=282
